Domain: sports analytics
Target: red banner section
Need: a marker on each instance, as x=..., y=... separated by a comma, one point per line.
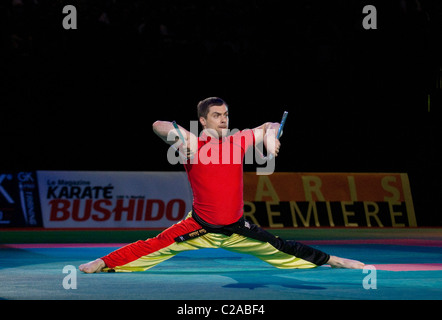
x=329, y=200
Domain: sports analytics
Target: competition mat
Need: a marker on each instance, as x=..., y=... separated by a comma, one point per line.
x=404, y=263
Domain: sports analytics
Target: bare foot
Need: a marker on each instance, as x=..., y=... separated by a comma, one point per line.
x=336, y=262
x=92, y=266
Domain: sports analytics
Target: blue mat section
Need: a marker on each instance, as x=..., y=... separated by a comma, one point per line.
x=219, y=274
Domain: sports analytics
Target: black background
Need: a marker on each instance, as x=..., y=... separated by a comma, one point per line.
x=85, y=99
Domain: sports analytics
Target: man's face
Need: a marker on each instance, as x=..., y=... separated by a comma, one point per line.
x=217, y=119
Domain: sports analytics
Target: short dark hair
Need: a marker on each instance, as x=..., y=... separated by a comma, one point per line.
x=204, y=105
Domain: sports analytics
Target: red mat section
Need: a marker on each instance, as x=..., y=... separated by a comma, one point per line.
x=396, y=242
x=409, y=267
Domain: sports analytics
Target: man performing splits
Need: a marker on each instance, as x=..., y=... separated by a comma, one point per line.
x=216, y=219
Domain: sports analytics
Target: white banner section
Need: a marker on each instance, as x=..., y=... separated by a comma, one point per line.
x=94, y=199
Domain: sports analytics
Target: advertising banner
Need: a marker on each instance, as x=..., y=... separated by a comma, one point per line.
x=19, y=204
x=83, y=199
x=329, y=200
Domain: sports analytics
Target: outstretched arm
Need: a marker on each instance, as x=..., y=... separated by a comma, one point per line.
x=267, y=133
x=167, y=132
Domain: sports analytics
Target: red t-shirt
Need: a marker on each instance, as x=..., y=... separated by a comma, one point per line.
x=216, y=177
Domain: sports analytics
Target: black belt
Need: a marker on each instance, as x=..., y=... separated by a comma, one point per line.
x=191, y=235
x=227, y=230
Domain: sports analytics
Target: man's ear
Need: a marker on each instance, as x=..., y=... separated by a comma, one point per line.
x=203, y=121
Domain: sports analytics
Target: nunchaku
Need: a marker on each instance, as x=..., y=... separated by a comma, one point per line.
x=278, y=135
x=179, y=132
